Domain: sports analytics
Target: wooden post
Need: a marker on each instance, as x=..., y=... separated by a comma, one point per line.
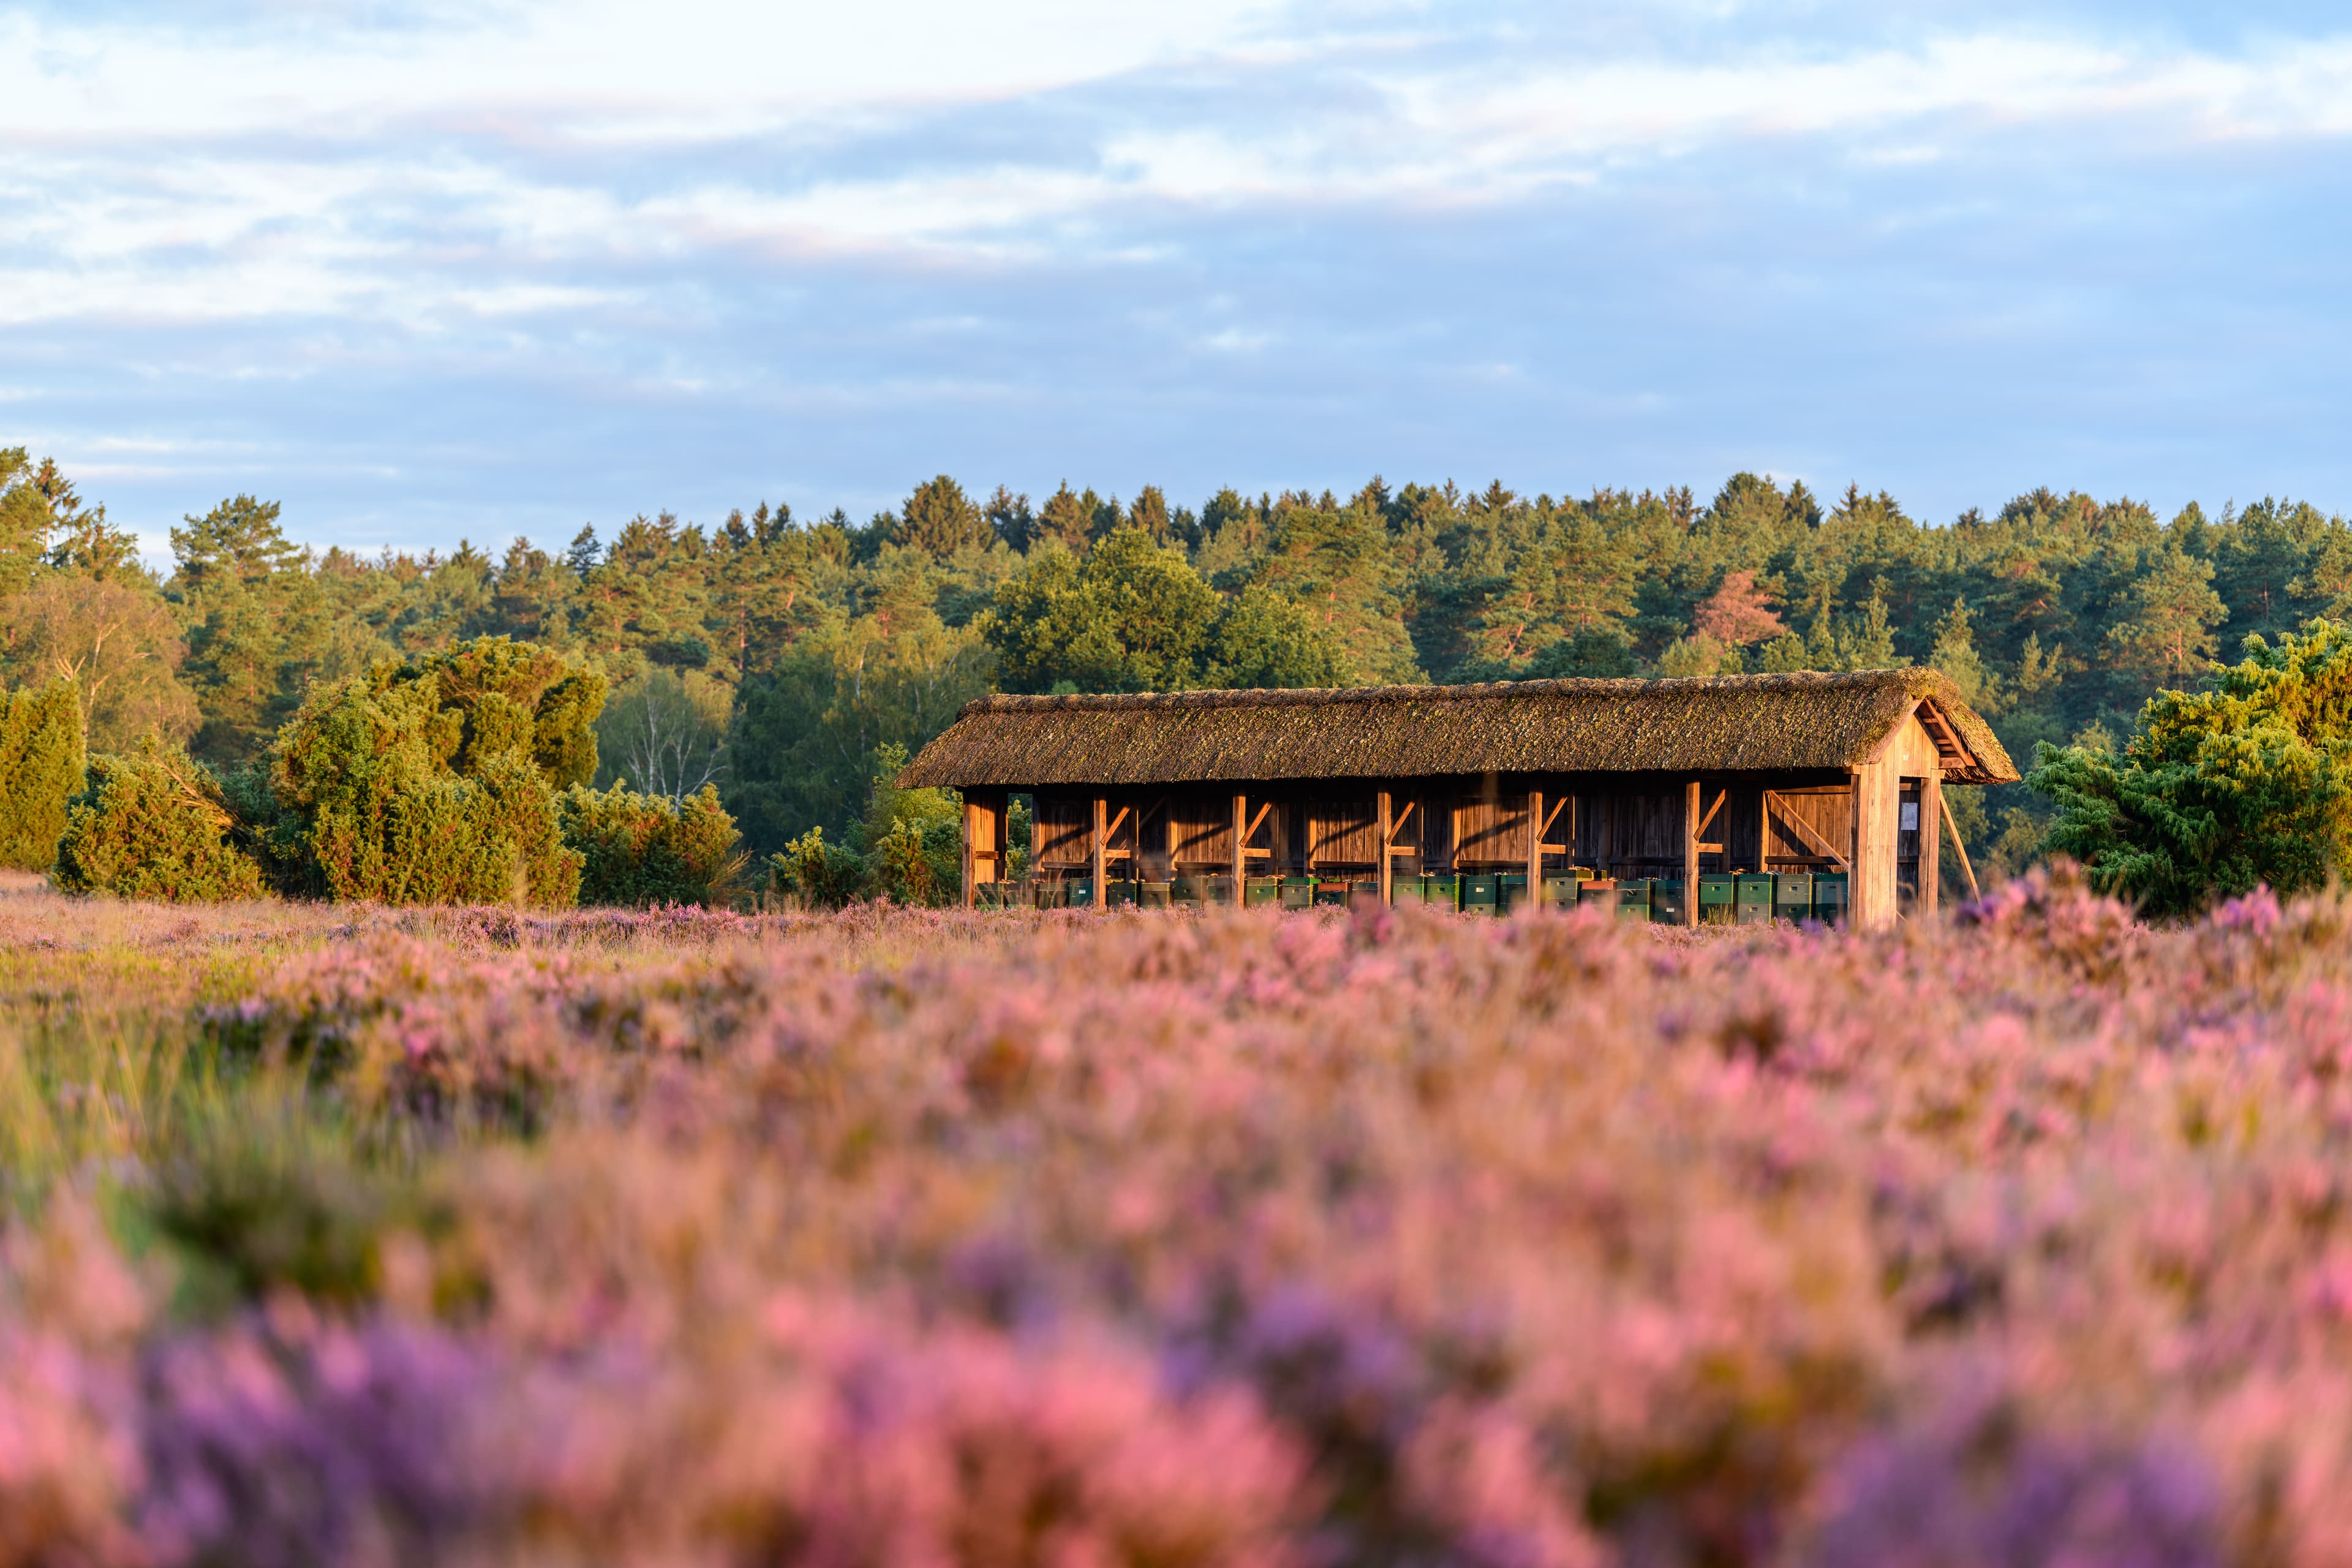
x=1931, y=860
x=1102, y=833
x=1241, y=865
x=1535, y=849
x=1853, y=842
x=1388, y=852
x=1878, y=791
x=1690, y=853
x=973, y=817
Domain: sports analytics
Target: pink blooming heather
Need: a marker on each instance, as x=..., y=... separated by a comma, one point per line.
x=1163, y=1238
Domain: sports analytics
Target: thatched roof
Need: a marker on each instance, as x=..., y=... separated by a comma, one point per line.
x=1739, y=723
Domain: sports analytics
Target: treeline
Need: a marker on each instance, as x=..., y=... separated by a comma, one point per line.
x=781, y=658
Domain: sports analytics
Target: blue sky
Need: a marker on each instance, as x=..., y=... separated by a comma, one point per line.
x=424, y=272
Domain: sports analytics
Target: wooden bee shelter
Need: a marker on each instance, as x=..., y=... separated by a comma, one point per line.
x=1836, y=774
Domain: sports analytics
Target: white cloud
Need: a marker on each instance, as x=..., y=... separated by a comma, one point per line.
x=440, y=174
x=686, y=68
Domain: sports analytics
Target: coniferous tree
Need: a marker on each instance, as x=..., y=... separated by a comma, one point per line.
x=938, y=520
x=41, y=769
x=2248, y=783
x=251, y=607
x=434, y=780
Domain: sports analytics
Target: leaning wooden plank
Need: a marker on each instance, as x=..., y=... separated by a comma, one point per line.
x=1958, y=847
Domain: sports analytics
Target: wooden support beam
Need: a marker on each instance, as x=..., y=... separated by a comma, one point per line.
x=1931, y=863
x=1102, y=846
x=1403, y=817
x=972, y=816
x=1878, y=791
x=1853, y=857
x=1241, y=834
x=1545, y=831
x=1959, y=846
x=1707, y=820
x=1691, y=825
x=1536, y=825
x=1388, y=851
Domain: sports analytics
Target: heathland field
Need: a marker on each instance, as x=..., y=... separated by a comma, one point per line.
x=924, y=1238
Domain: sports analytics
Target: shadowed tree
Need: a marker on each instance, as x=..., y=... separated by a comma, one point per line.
x=938, y=520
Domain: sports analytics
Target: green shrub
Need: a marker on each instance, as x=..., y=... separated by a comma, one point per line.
x=821, y=875
x=516, y=696
x=649, y=849
x=912, y=839
x=918, y=861
x=433, y=780
x=2218, y=791
x=155, y=826
x=41, y=767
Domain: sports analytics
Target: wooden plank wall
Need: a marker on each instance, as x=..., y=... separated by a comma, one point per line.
x=1064, y=835
x=1631, y=835
x=1343, y=832
x=1205, y=829
x=1827, y=809
x=1490, y=830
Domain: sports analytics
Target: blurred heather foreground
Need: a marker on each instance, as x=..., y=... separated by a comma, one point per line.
x=914, y=1239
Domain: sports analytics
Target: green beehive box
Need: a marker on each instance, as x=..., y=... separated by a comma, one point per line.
x=1715, y=889
x=1297, y=892
x=1753, y=900
x=1511, y=891
x=1156, y=895
x=1331, y=891
x=1598, y=892
x=1559, y=892
x=1123, y=894
x=1793, y=896
x=1185, y=892
x=1262, y=892
x=1443, y=890
x=1829, y=898
x=1217, y=890
x=1633, y=898
x=1666, y=900
x=1478, y=893
x=1078, y=893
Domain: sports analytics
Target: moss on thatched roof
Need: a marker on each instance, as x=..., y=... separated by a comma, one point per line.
x=1741, y=724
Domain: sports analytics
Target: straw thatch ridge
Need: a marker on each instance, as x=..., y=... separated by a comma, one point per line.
x=1738, y=724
